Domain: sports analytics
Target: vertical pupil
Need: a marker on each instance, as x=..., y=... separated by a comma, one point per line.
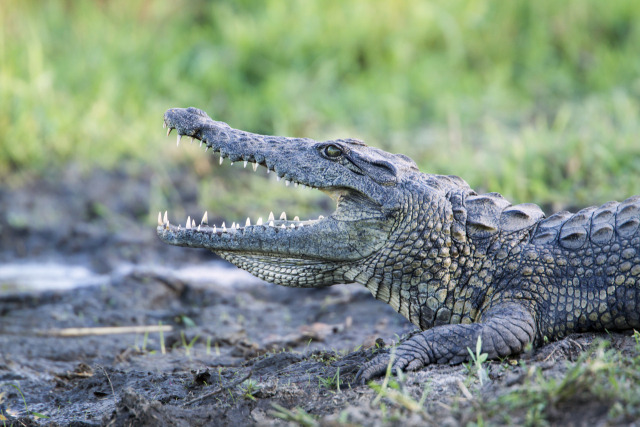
x=333, y=151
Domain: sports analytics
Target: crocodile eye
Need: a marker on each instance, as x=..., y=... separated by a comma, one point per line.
x=332, y=151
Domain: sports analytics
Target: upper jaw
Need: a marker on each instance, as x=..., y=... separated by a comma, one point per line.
x=295, y=160
x=238, y=145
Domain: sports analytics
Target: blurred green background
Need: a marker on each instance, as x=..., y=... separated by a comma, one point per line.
x=539, y=100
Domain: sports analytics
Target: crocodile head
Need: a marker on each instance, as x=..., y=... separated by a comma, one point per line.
x=366, y=184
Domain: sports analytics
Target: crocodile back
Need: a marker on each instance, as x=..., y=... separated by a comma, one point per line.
x=613, y=221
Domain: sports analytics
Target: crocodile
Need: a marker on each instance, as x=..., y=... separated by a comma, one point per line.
x=461, y=266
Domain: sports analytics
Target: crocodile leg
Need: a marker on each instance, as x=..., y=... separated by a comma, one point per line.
x=505, y=329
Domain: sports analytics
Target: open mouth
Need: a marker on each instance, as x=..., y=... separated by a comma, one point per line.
x=355, y=229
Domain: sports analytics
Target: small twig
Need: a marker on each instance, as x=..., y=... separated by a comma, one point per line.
x=465, y=391
x=113, y=392
x=106, y=330
x=220, y=390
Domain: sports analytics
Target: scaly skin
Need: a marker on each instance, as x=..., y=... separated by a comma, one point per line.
x=456, y=264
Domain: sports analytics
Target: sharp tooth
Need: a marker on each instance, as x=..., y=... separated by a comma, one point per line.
x=293, y=226
x=165, y=220
x=245, y=163
x=233, y=225
x=248, y=223
x=224, y=228
x=255, y=167
x=232, y=163
x=268, y=171
x=198, y=227
x=283, y=227
x=277, y=178
x=164, y=125
x=295, y=184
x=193, y=223
x=286, y=182
x=270, y=216
x=188, y=224
x=206, y=148
x=296, y=218
x=237, y=226
x=259, y=221
x=221, y=158
x=192, y=141
x=270, y=223
x=178, y=140
x=160, y=219
x=215, y=230
x=283, y=216
x=321, y=217
x=169, y=131
x=205, y=219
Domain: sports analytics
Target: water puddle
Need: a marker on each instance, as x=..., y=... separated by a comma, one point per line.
x=41, y=276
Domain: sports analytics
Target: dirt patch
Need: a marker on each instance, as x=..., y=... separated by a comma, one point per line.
x=246, y=354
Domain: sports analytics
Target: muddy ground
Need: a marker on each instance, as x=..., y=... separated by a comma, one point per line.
x=239, y=352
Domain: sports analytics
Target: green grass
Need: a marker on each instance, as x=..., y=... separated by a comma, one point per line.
x=538, y=100
x=601, y=377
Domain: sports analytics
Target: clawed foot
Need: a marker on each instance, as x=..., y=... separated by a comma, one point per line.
x=402, y=358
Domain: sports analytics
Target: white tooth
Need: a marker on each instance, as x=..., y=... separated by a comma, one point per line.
x=188, y=224
x=159, y=218
x=178, y=141
x=283, y=227
x=283, y=216
x=268, y=171
x=296, y=184
x=277, y=178
x=321, y=217
x=164, y=125
x=245, y=163
x=287, y=182
x=193, y=223
x=179, y=227
x=233, y=225
x=224, y=228
x=270, y=216
x=232, y=163
x=255, y=167
x=270, y=223
x=237, y=226
x=205, y=219
x=192, y=141
x=165, y=220
x=198, y=228
x=296, y=218
x=293, y=226
x=169, y=131
x=221, y=158
x=248, y=223
x=206, y=148
x=259, y=221
x=215, y=230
